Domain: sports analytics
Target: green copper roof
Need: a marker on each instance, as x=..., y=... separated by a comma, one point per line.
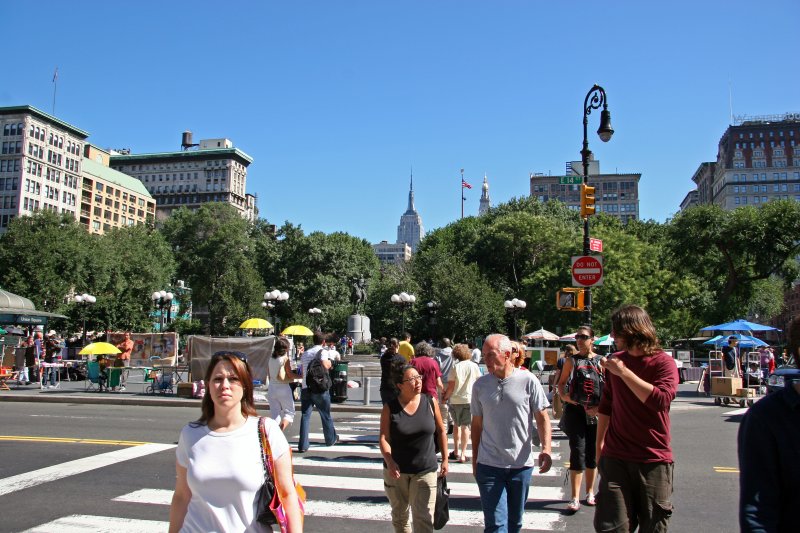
x=109, y=174
x=218, y=153
x=43, y=116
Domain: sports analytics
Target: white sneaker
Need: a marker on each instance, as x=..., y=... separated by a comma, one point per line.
x=122, y=389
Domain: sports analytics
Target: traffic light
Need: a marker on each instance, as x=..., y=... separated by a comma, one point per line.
x=570, y=299
x=587, y=200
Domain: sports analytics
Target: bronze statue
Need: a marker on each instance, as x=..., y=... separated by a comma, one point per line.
x=358, y=296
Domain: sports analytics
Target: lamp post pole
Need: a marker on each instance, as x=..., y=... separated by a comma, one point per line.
x=514, y=307
x=595, y=98
x=163, y=302
x=315, y=313
x=404, y=301
x=273, y=298
x=85, y=300
x=433, y=308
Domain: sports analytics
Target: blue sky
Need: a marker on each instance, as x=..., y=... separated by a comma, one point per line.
x=336, y=101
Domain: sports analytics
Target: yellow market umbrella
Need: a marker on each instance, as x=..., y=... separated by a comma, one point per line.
x=298, y=330
x=255, y=323
x=99, y=348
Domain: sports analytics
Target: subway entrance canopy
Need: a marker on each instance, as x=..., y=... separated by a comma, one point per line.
x=21, y=311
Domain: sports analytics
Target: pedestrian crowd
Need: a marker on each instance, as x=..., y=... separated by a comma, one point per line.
x=614, y=410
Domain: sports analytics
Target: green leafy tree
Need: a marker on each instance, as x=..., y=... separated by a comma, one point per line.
x=214, y=253
x=731, y=250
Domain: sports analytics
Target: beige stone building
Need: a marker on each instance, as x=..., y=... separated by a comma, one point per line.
x=211, y=171
x=616, y=194
x=47, y=164
x=111, y=199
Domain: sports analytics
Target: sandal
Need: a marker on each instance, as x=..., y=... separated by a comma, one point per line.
x=463, y=459
x=573, y=506
x=453, y=456
x=590, y=501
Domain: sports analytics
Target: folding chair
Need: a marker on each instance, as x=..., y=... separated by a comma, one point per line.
x=93, y=378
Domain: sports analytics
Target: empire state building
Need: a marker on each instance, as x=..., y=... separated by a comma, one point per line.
x=410, y=230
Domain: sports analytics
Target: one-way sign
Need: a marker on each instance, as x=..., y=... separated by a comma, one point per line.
x=587, y=270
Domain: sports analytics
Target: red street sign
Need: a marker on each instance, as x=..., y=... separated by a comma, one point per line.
x=596, y=245
x=587, y=270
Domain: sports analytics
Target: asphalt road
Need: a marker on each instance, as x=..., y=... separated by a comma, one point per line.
x=88, y=461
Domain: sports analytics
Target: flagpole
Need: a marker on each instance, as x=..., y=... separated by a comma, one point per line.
x=461, y=192
x=55, y=88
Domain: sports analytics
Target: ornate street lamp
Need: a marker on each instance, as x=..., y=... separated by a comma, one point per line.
x=515, y=307
x=271, y=300
x=315, y=313
x=595, y=98
x=84, y=300
x=404, y=301
x=433, y=309
x=162, y=300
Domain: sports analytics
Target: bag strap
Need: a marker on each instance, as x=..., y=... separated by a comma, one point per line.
x=266, y=452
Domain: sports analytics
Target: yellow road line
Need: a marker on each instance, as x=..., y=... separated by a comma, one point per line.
x=20, y=438
x=726, y=470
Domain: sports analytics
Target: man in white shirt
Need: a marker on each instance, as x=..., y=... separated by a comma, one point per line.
x=309, y=400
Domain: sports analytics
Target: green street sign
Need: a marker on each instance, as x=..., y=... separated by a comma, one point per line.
x=570, y=180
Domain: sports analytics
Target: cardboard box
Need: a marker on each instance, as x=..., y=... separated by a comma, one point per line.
x=185, y=390
x=746, y=393
x=726, y=386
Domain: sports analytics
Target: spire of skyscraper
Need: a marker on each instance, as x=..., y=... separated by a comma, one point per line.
x=486, y=202
x=410, y=230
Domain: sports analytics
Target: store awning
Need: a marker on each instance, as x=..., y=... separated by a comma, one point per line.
x=15, y=309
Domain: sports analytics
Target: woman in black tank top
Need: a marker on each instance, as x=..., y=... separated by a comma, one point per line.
x=409, y=425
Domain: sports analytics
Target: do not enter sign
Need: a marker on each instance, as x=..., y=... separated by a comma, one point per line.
x=587, y=270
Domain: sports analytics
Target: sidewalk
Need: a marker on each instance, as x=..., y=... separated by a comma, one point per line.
x=75, y=392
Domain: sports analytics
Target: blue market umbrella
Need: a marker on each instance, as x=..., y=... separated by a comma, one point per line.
x=739, y=325
x=745, y=341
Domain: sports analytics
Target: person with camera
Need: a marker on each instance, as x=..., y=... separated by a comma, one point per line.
x=580, y=374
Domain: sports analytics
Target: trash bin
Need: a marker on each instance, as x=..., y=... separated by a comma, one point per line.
x=339, y=379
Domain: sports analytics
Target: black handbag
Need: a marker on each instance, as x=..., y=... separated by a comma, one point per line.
x=441, y=513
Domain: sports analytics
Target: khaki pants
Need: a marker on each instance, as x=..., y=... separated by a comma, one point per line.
x=414, y=491
x=633, y=495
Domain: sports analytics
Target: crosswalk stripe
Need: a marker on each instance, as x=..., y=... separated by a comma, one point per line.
x=78, y=466
x=345, y=438
x=79, y=523
x=548, y=521
x=376, y=485
x=377, y=464
x=371, y=449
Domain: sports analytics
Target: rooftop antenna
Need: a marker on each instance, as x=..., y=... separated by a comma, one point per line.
x=55, y=86
x=730, y=98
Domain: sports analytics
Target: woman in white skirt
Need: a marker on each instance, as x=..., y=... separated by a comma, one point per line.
x=280, y=375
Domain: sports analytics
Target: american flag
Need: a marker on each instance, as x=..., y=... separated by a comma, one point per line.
x=465, y=185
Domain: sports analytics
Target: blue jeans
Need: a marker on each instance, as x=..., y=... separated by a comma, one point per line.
x=322, y=402
x=504, y=492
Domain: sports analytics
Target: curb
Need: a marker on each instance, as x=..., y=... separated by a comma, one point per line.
x=161, y=402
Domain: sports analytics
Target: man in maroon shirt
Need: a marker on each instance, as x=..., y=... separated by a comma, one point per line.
x=633, y=429
x=428, y=367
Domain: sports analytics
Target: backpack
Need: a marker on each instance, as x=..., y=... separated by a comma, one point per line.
x=727, y=355
x=587, y=381
x=318, y=380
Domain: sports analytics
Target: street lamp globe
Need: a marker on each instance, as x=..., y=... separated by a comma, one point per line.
x=605, y=131
x=395, y=298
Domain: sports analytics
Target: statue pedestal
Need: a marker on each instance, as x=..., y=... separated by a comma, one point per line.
x=358, y=328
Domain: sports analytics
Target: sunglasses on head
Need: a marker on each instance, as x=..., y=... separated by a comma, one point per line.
x=240, y=355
